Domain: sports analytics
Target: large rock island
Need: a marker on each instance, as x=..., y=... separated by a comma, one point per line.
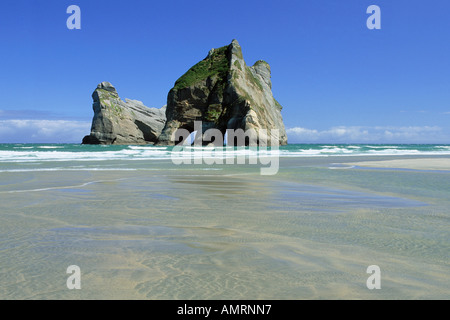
x=221, y=91
x=119, y=122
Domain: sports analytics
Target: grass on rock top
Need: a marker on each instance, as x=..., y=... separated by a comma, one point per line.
x=262, y=62
x=215, y=64
x=109, y=100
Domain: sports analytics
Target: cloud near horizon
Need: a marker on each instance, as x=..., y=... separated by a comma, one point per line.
x=71, y=131
x=361, y=134
x=43, y=131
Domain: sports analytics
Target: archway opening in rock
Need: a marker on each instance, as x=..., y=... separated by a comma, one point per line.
x=191, y=139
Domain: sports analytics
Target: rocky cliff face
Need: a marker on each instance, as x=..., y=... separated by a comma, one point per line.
x=224, y=93
x=221, y=91
x=119, y=122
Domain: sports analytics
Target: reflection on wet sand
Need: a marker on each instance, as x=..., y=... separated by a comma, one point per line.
x=177, y=233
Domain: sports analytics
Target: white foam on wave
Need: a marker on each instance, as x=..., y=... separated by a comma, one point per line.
x=147, y=148
x=166, y=153
x=50, y=147
x=397, y=152
x=336, y=150
x=379, y=146
x=339, y=166
x=325, y=152
x=125, y=154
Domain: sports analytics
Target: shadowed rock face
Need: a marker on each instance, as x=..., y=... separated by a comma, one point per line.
x=224, y=93
x=119, y=122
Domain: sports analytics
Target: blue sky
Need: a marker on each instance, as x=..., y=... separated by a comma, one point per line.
x=337, y=80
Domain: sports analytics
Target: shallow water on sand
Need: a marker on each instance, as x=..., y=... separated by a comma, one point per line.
x=153, y=230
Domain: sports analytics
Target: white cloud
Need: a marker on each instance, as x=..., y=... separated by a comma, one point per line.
x=69, y=131
x=43, y=131
x=360, y=134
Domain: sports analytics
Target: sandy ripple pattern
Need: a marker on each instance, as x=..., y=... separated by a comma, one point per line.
x=309, y=232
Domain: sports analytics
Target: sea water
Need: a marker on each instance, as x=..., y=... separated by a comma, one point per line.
x=141, y=227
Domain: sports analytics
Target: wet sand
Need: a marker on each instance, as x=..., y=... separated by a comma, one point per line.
x=415, y=164
x=225, y=232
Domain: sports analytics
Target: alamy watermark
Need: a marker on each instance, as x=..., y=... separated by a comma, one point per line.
x=374, y=281
x=208, y=147
x=74, y=20
x=374, y=21
x=74, y=280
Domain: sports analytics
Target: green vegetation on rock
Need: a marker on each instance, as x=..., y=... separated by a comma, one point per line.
x=213, y=113
x=225, y=92
x=277, y=104
x=117, y=110
x=238, y=54
x=215, y=64
x=254, y=78
x=107, y=99
x=262, y=62
x=245, y=98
